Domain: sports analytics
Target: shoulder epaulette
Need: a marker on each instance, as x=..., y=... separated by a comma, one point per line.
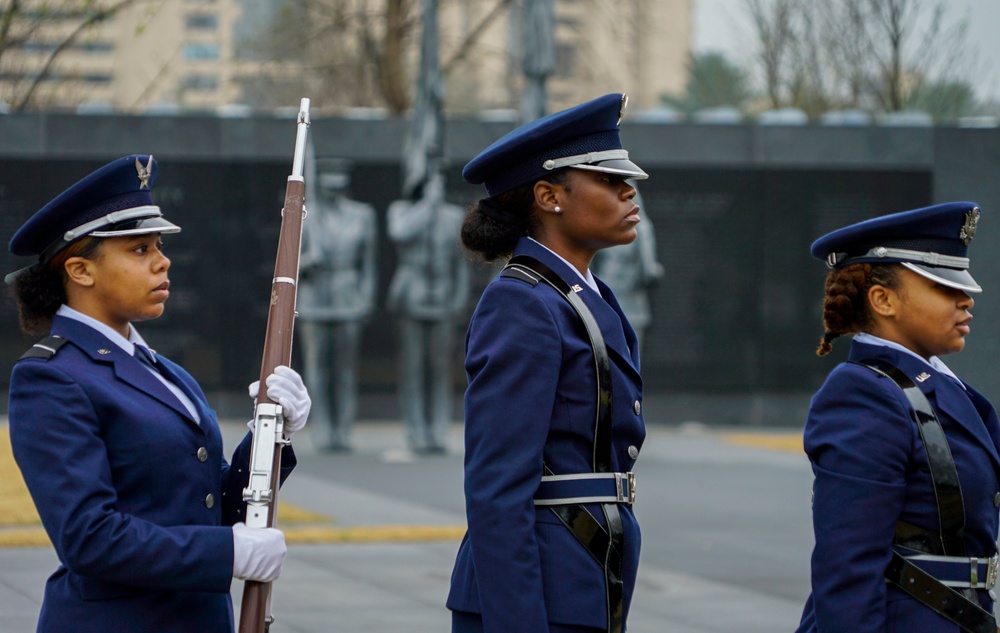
x=45, y=348
x=519, y=273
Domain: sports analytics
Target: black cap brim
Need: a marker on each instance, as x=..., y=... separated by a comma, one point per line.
x=141, y=226
x=951, y=277
x=622, y=167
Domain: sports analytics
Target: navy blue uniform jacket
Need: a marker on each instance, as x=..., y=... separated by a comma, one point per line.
x=110, y=457
x=531, y=400
x=871, y=471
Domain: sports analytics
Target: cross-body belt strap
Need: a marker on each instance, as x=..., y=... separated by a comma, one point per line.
x=605, y=545
x=912, y=576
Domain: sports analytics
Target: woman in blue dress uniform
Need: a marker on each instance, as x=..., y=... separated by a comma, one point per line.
x=552, y=542
x=118, y=446
x=905, y=453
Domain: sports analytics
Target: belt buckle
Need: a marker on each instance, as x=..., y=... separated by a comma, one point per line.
x=625, y=487
x=991, y=571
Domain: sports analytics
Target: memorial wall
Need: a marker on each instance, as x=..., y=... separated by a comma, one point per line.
x=734, y=210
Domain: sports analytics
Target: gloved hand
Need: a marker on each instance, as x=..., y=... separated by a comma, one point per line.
x=258, y=553
x=285, y=387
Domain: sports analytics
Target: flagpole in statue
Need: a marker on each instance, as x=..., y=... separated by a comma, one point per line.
x=538, y=24
x=422, y=148
x=429, y=288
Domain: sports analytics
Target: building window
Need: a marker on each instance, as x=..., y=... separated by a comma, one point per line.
x=201, y=50
x=39, y=46
x=95, y=47
x=96, y=78
x=204, y=83
x=201, y=22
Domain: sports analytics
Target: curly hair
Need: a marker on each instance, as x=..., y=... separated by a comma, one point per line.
x=845, y=304
x=493, y=225
x=40, y=290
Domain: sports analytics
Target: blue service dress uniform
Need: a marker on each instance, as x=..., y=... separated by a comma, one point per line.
x=531, y=402
x=135, y=495
x=871, y=470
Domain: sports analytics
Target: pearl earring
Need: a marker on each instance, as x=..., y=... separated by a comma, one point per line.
x=557, y=209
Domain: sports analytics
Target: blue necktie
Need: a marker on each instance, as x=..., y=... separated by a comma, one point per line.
x=145, y=356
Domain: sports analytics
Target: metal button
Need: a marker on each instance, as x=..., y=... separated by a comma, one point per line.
x=633, y=452
x=210, y=501
x=202, y=454
x=637, y=407
x=996, y=500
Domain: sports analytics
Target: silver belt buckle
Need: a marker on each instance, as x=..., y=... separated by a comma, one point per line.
x=991, y=572
x=621, y=481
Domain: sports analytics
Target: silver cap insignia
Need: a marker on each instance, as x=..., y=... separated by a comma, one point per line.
x=144, y=172
x=969, y=228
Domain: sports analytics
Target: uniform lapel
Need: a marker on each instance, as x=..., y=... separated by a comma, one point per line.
x=126, y=368
x=630, y=337
x=948, y=397
x=611, y=322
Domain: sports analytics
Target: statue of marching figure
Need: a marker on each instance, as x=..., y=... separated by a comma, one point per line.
x=429, y=291
x=336, y=296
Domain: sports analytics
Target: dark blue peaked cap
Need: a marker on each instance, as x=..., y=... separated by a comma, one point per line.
x=114, y=200
x=933, y=242
x=584, y=137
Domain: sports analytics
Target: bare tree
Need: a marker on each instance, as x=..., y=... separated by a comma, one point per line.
x=359, y=52
x=873, y=54
x=62, y=24
x=774, y=24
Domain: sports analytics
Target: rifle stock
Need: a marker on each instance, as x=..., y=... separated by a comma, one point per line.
x=265, y=460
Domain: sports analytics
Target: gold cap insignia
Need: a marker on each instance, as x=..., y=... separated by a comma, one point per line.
x=969, y=228
x=144, y=172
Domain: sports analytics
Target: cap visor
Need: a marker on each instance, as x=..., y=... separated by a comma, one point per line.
x=951, y=277
x=622, y=167
x=138, y=227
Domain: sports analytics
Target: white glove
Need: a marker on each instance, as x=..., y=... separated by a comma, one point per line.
x=258, y=553
x=285, y=387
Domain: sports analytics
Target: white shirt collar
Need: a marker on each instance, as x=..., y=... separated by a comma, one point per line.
x=587, y=279
x=935, y=362
x=127, y=344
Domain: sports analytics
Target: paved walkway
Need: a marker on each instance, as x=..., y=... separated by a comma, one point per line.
x=396, y=585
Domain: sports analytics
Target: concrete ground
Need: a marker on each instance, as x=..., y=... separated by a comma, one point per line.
x=725, y=518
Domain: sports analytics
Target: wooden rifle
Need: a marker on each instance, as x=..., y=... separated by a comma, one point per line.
x=268, y=424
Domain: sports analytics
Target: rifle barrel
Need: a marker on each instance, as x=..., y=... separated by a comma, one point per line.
x=255, y=614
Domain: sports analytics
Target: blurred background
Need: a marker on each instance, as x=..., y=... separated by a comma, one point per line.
x=762, y=123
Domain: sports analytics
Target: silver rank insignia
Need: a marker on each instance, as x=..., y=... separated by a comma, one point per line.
x=969, y=228
x=143, y=172
x=103, y=352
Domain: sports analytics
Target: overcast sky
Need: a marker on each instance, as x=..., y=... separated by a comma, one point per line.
x=722, y=25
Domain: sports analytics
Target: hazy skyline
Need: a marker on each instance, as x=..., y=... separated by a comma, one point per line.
x=722, y=25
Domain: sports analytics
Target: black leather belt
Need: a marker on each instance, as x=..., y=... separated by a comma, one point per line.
x=605, y=545
x=968, y=615
x=912, y=575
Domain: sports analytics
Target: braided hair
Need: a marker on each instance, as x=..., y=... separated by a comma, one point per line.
x=845, y=304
